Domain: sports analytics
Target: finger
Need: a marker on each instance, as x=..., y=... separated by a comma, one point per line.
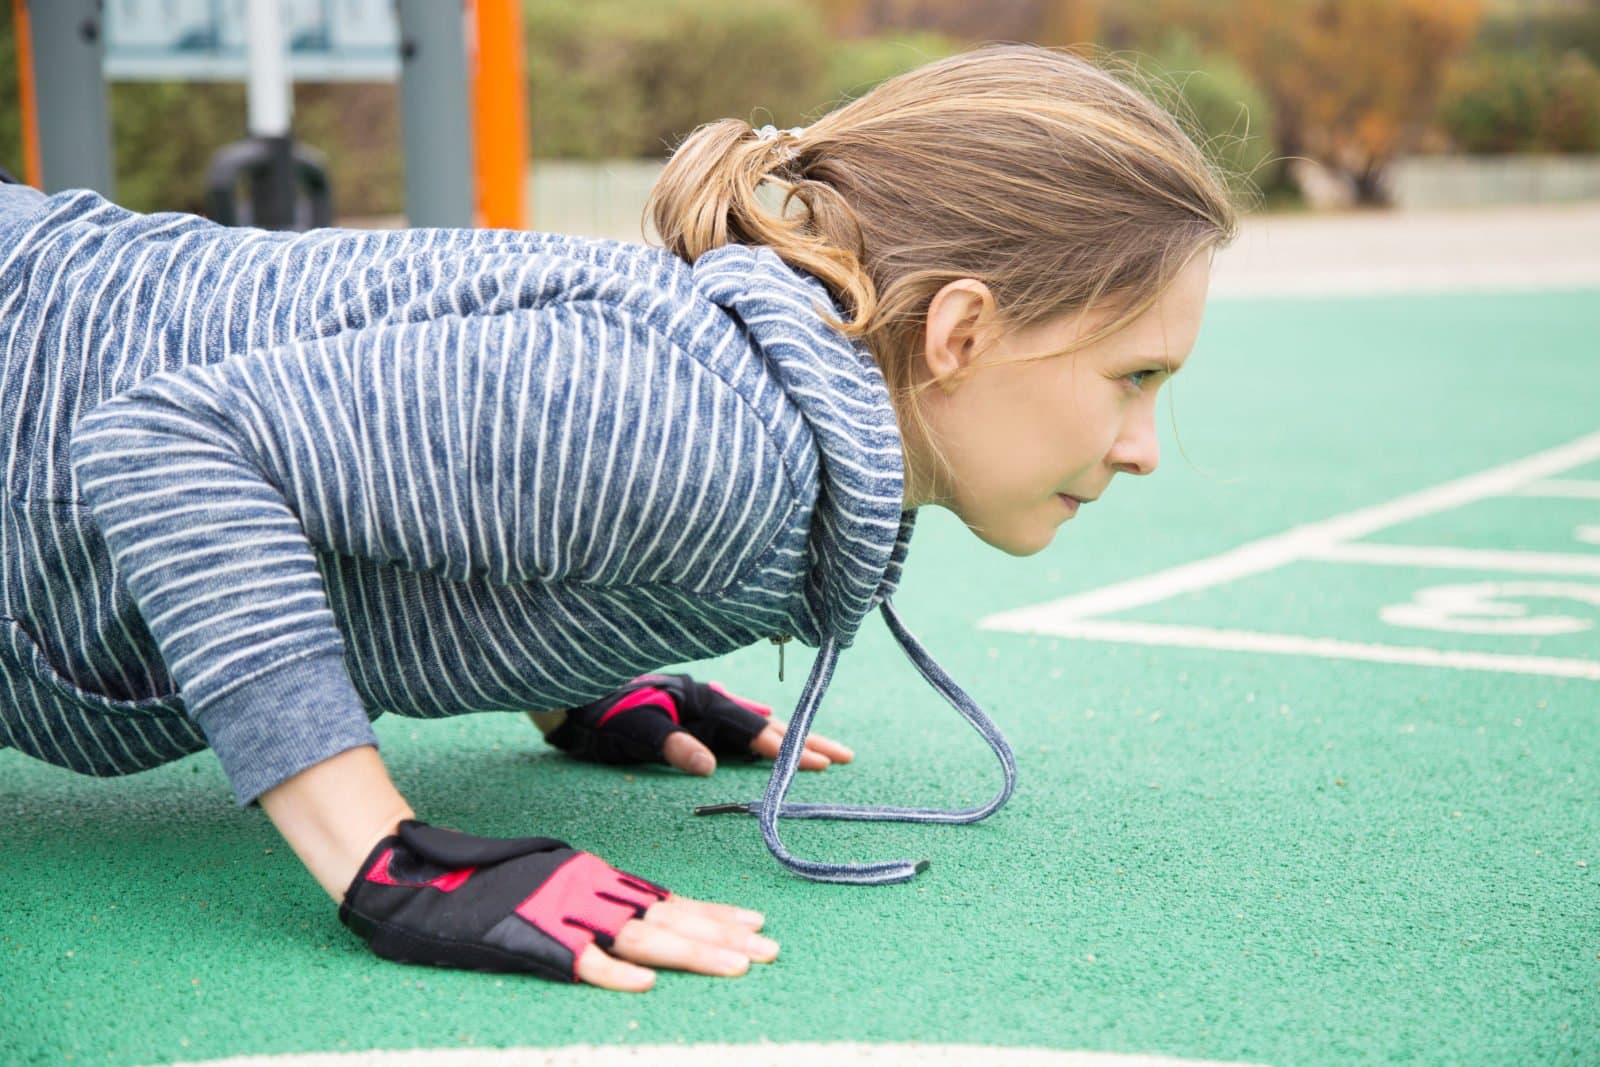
x=768, y=741
x=832, y=749
x=657, y=946
x=598, y=968
x=685, y=752
x=724, y=913
x=695, y=926
x=829, y=748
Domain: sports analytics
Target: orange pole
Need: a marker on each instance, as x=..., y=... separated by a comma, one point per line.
x=32, y=168
x=499, y=113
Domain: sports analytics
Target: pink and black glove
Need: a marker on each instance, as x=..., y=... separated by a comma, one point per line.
x=632, y=725
x=528, y=905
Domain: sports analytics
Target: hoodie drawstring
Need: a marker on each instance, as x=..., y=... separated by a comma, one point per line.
x=771, y=806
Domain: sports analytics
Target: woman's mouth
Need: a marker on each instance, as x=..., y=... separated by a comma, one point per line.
x=1070, y=503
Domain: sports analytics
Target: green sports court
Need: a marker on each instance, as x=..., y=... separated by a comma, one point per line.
x=1306, y=727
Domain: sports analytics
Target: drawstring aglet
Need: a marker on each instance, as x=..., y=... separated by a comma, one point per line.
x=780, y=642
x=724, y=809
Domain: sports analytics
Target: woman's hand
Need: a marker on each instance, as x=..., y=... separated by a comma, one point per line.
x=671, y=718
x=535, y=905
x=346, y=808
x=685, y=752
x=678, y=934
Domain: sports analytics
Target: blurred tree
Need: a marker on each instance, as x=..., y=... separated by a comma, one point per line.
x=1570, y=119
x=994, y=20
x=1224, y=108
x=1367, y=78
x=1354, y=82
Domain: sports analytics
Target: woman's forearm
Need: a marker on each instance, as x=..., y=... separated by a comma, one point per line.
x=333, y=813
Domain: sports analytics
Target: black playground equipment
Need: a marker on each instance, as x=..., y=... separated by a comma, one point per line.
x=271, y=182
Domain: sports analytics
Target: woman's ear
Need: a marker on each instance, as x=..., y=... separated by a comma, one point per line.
x=960, y=317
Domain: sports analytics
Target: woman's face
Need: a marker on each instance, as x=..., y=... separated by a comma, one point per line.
x=1024, y=442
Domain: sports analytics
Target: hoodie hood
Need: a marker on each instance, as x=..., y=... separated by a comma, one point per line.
x=859, y=535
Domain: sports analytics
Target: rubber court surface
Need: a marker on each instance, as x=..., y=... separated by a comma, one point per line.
x=1309, y=735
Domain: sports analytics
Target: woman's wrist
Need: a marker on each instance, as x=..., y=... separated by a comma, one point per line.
x=334, y=813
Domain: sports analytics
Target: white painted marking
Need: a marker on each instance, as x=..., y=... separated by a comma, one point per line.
x=1298, y=543
x=1566, y=488
x=1144, y=633
x=1589, y=535
x=1481, y=608
x=801, y=1054
x=1465, y=559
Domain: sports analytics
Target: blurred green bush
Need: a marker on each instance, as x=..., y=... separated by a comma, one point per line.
x=1491, y=102
x=1501, y=102
x=625, y=78
x=631, y=78
x=164, y=134
x=1542, y=28
x=1224, y=109
x=10, y=102
x=856, y=64
x=607, y=78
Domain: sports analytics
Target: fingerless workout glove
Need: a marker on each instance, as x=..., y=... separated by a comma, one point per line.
x=632, y=725
x=528, y=905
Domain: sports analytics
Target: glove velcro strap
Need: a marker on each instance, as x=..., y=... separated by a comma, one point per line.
x=451, y=848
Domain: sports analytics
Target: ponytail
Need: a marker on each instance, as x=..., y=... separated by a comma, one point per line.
x=709, y=195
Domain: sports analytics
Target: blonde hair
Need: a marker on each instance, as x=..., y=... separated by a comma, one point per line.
x=1031, y=170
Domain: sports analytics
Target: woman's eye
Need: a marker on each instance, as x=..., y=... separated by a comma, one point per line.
x=1138, y=378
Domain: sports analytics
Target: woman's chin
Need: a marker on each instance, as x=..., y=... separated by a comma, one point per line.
x=1015, y=541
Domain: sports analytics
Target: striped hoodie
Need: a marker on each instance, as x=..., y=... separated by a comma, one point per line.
x=262, y=487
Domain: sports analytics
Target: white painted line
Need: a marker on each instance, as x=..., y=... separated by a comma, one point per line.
x=1298, y=543
x=1465, y=559
x=1494, y=608
x=1142, y=633
x=1568, y=488
x=765, y=1054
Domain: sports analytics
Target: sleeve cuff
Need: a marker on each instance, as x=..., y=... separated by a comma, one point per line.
x=284, y=720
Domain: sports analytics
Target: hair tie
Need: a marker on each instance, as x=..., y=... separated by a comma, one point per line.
x=771, y=133
x=786, y=153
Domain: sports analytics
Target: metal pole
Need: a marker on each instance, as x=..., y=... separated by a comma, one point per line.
x=74, y=125
x=271, y=103
x=271, y=95
x=435, y=113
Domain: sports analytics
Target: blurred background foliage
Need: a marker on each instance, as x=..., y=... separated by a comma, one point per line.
x=1349, y=84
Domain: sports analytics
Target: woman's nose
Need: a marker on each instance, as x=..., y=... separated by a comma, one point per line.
x=1137, y=450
